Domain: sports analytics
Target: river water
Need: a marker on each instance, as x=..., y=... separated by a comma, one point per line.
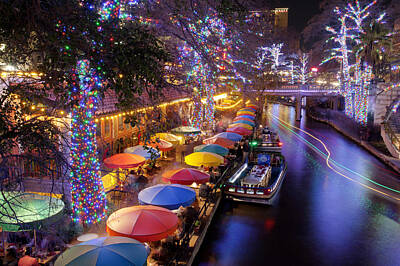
x=348, y=215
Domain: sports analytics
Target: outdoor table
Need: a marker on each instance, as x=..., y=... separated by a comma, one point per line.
x=48, y=259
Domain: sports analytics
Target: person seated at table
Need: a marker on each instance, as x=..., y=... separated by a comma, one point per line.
x=28, y=260
x=161, y=254
x=11, y=257
x=202, y=168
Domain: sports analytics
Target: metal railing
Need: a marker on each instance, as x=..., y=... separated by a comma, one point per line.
x=392, y=137
x=183, y=246
x=391, y=134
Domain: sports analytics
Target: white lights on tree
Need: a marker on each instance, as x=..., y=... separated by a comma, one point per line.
x=275, y=53
x=303, y=69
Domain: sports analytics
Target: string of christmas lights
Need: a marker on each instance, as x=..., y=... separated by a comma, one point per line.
x=354, y=90
x=303, y=69
x=88, y=197
x=201, y=76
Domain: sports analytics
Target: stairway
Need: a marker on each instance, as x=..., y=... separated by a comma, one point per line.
x=390, y=129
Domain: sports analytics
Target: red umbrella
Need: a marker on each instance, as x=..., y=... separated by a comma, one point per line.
x=240, y=130
x=243, y=118
x=185, y=176
x=144, y=223
x=227, y=143
x=251, y=106
x=124, y=160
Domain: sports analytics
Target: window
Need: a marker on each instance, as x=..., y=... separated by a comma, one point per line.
x=120, y=123
x=106, y=128
x=98, y=129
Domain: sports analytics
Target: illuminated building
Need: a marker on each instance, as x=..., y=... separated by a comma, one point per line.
x=281, y=18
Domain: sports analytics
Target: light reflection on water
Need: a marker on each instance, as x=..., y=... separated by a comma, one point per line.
x=320, y=217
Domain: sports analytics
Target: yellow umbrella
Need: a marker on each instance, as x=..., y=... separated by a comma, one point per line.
x=175, y=140
x=204, y=158
x=111, y=180
x=244, y=113
x=241, y=125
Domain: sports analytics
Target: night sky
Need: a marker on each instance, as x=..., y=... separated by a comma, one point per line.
x=300, y=11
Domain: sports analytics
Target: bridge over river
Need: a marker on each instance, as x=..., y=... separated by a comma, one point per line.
x=300, y=91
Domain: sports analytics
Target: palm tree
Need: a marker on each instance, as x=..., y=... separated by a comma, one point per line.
x=374, y=45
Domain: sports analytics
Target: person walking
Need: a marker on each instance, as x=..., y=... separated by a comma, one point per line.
x=246, y=150
x=239, y=152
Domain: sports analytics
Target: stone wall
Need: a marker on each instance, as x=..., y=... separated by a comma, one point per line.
x=383, y=100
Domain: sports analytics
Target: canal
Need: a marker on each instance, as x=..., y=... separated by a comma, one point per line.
x=344, y=210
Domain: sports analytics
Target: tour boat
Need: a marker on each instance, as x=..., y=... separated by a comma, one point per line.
x=261, y=176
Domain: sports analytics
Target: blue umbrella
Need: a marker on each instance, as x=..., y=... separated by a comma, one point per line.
x=246, y=116
x=104, y=251
x=147, y=152
x=244, y=122
x=214, y=148
x=168, y=196
x=229, y=135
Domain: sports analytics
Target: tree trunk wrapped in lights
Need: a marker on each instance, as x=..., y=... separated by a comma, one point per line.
x=88, y=197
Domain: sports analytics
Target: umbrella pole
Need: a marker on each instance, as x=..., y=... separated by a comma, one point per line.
x=2, y=242
x=34, y=237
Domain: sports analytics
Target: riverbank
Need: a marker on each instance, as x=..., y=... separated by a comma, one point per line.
x=351, y=133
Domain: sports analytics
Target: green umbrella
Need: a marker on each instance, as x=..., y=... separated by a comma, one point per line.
x=26, y=211
x=214, y=148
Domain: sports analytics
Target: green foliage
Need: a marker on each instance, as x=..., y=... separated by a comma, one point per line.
x=374, y=46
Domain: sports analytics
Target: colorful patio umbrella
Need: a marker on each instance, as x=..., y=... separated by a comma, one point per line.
x=144, y=223
x=241, y=125
x=170, y=196
x=207, y=159
x=247, y=109
x=251, y=106
x=245, y=113
x=220, y=141
x=185, y=176
x=124, y=160
x=242, y=118
x=250, y=123
x=175, y=140
x=229, y=135
x=214, y=148
x=161, y=144
x=105, y=251
x=252, y=117
x=27, y=211
x=185, y=130
x=147, y=152
x=240, y=130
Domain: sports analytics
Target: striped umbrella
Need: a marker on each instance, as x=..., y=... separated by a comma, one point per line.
x=229, y=135
x=185, y=176
x=252, y=117
x=220, y=141
x=243, y=118
x=214, y=148
x=245, y=113
x=240, y=130
x=241, y=125
x=250, y=123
